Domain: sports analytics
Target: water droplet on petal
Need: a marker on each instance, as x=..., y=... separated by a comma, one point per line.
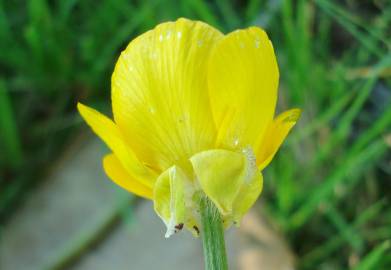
x=161, y=37
x=153, y=55
x=236, y=142
x=179, y=34
x=168, y=35
x=126, y=56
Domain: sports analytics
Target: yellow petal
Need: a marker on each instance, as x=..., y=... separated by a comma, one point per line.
x=159, y=92
x=108, y=131
x=243, y=80
x=220, y=174
x=275, y=136
x=116, y=172
x=171, y=200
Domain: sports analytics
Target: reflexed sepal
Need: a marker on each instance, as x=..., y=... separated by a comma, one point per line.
x=172, y=201
x=220, y=174
x=230, y=180
x=247, y=196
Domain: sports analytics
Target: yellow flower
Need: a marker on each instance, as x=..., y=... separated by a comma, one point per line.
x=193, y=114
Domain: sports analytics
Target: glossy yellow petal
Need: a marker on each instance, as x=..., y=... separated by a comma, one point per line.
x=108, y=131
x=172, y=200
x=159, y=92
x=243, y=80
x=116, y=172
x=275, y=136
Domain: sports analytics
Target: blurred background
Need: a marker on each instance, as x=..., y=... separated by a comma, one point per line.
x=326, y=199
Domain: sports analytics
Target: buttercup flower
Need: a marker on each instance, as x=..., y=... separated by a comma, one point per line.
x=193, y=116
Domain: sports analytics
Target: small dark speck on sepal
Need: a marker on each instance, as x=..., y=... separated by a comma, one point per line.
x=179, y=226
x=196, y=229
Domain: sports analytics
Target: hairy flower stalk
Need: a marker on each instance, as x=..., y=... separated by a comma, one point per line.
x=212, y=236
x=194, y=114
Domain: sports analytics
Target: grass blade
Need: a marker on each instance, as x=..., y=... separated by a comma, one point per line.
x=349, y=167
x=373, y=258
x=11, y=144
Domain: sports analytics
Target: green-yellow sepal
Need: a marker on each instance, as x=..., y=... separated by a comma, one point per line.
x=229, y=179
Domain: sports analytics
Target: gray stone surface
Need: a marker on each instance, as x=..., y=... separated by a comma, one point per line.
x=141, y=245
x=75, y=197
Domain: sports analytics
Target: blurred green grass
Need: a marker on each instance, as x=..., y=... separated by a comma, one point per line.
x=328, y=191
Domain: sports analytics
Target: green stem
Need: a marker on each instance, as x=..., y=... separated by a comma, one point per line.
x=212, y=233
